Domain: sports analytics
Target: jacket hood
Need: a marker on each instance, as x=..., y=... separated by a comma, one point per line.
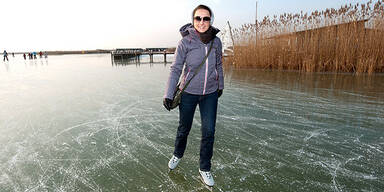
x=189, y=29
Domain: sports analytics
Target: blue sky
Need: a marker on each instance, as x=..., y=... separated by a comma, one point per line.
x=107, y=24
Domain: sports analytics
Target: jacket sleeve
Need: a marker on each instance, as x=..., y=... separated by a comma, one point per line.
x=219, y=62
x=176, y=69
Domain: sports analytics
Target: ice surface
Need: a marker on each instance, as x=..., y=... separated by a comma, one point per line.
x=79, y=123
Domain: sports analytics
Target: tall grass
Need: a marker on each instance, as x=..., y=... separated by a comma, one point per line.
x=350, y=39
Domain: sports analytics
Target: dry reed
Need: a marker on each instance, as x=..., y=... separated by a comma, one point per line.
x=350, y=39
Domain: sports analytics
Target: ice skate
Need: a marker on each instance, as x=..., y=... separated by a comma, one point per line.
x=173, y=162
x=207, y=178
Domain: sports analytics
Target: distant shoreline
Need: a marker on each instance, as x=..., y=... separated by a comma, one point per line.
x=72, y=52
x=94, y=51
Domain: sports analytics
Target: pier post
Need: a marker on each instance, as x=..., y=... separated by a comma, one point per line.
x=134, y=54
x=151, y=57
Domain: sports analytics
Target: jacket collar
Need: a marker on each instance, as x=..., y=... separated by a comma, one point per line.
x=188, y=29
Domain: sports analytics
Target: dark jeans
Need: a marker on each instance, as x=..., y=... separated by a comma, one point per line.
x=208, y=109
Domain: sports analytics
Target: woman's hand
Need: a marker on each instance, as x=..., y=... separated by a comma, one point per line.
x=167, y=103
x=219, y=92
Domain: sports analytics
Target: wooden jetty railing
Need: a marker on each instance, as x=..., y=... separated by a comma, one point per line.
x=135, y=53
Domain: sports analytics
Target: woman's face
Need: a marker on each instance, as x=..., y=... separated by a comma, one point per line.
x=201, y=20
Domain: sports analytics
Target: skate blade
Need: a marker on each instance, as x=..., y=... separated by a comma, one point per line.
x=171, y=170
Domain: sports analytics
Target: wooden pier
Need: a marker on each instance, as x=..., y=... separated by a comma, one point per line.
x=133, y=54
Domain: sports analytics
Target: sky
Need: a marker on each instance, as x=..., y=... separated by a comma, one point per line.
x=34, y=25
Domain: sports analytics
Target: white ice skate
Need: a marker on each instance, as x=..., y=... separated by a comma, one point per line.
x=207, y=178
x=173, y=162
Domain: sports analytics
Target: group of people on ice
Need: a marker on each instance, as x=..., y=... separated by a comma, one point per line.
x=31, y=55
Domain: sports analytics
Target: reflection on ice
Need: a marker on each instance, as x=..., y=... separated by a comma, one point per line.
x=81, y=125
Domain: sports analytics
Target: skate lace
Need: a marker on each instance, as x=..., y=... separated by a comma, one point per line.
x=208, y=174
x=174, y=159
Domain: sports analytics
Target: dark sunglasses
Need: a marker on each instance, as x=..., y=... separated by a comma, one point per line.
x=198, y=18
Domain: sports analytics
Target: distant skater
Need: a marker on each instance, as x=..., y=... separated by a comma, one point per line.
x=206, y=84
x=5, y=54
x=25, y=57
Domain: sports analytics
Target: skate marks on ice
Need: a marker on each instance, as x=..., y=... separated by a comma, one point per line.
x=267, y=139
x=125, y=149
x=186, y=179
x=270, y=139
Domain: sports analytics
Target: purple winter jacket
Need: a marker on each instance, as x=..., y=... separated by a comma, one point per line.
x=191, y=52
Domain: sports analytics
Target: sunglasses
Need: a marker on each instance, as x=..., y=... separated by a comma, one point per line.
x=198, y=18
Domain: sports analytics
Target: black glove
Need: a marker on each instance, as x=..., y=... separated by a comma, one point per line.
x=167, y=103
x=219, y=92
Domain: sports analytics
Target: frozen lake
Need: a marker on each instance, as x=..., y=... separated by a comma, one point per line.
x=79, y=123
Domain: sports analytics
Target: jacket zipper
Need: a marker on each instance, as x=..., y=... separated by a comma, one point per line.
x=206, y=70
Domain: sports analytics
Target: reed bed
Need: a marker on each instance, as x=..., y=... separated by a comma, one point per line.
x=349, y=39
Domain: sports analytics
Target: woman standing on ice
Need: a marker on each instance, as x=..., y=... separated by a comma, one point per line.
x=203, y=90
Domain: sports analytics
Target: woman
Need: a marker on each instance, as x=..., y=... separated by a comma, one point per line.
x=203, y=90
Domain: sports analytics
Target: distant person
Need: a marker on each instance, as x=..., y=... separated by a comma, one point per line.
x=45, y=54
x=34, y=55
x=41, y=54
x=203, y=90
x=5, y=55
x=13, y=54
x=25, y=56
